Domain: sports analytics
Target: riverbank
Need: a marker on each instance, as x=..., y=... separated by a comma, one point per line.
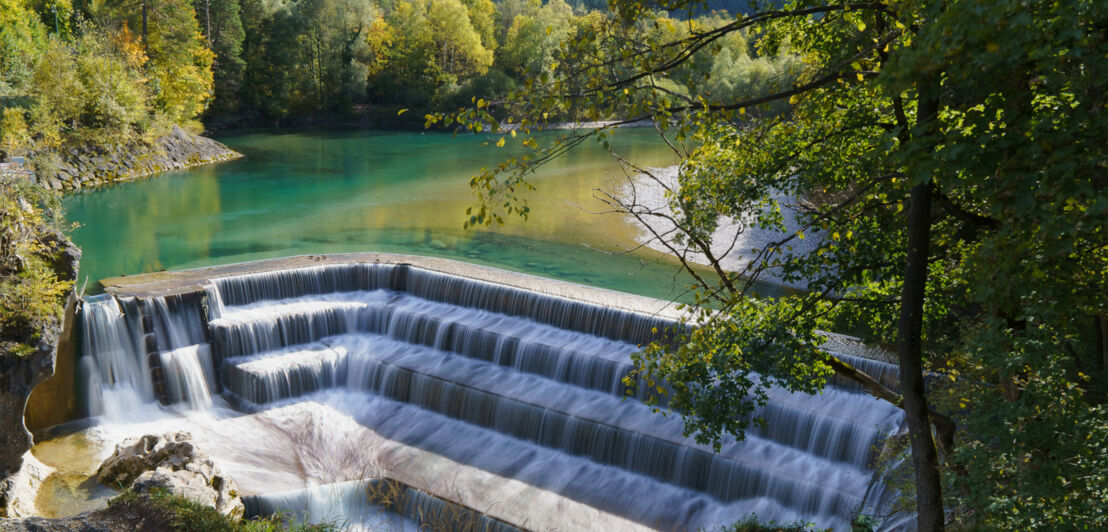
x=77, y=168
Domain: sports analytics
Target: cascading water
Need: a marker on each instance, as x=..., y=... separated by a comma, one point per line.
x=117, y=375
x=137, y=351
x=518, y=384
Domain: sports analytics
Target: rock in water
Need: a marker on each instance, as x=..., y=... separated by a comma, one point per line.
x=173, y=462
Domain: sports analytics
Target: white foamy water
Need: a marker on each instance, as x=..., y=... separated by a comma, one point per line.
x=508, y=402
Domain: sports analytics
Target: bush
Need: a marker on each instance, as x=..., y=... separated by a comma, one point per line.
x=30, y=291
x=14, y=134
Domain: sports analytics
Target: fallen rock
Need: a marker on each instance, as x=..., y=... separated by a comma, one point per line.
x=172, y=462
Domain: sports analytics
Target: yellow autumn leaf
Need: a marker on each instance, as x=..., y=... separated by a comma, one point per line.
x=500, y=143
x=400, y=112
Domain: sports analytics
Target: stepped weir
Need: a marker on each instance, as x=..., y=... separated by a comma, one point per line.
x=502, y=382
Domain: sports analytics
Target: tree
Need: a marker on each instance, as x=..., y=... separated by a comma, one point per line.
x=459, y=51
x=947, y=160
x=534, y=35
x=334, y=34
x=423, y=50
x=221, y=26
x=179, y=59
x=20, y=41
x=305, y=56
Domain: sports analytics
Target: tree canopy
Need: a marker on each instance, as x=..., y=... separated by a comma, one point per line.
x=947, y=160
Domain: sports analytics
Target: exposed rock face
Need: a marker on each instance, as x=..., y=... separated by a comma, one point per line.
x=138, y=515
x=92, y=167
x=23, y=486
x=173, y=462
x=20, y=373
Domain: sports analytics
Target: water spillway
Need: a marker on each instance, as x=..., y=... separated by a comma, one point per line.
x=524, y=385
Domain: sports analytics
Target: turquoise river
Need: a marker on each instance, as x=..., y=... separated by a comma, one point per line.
x=351, y=191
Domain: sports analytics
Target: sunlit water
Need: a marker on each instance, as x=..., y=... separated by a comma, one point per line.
x=302, y=193
x=507, y=401
x=400, y=192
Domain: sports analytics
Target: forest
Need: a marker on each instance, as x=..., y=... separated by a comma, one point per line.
x=85, y=72
x=943, y=161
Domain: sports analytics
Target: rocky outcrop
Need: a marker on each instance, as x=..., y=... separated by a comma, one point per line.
x=172, y=462
x=81, y=168
x=138, y=514
x=22, y=488
x=20, y=372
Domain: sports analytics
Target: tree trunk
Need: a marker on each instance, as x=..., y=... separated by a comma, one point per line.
x=145, y=16
x=925, y=460
x=1101, y=325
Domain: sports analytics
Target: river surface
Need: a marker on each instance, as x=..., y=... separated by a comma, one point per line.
x=352, y=191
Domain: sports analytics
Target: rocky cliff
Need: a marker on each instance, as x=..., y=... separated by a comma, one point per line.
x=78, y=168
x=20, y=371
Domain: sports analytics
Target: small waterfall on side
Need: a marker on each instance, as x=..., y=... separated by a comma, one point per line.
x=526, y=386
x=136, y=351
x=117, y=375
x=189, y=374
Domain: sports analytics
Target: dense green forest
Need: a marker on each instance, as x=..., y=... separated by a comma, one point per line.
x=89, y=72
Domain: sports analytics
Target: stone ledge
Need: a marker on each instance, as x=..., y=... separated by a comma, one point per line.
x=177, y=150
x=193, y=280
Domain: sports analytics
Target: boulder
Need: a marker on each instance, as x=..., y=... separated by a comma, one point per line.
x=171, y=462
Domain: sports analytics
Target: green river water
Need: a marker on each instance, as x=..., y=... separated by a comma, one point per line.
x=356, y=191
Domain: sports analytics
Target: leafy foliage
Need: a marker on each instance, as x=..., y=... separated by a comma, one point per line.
x=82, y=77
x=993, y=110
x=30, y=291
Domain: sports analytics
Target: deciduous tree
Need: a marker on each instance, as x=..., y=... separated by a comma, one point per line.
x=947, y=160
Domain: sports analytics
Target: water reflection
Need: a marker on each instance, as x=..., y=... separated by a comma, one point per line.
x=401, y=192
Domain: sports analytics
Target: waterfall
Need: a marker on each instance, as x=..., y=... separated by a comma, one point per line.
x=189, y=375
x=117, y=375
x=136, y=351
x=523, y=385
